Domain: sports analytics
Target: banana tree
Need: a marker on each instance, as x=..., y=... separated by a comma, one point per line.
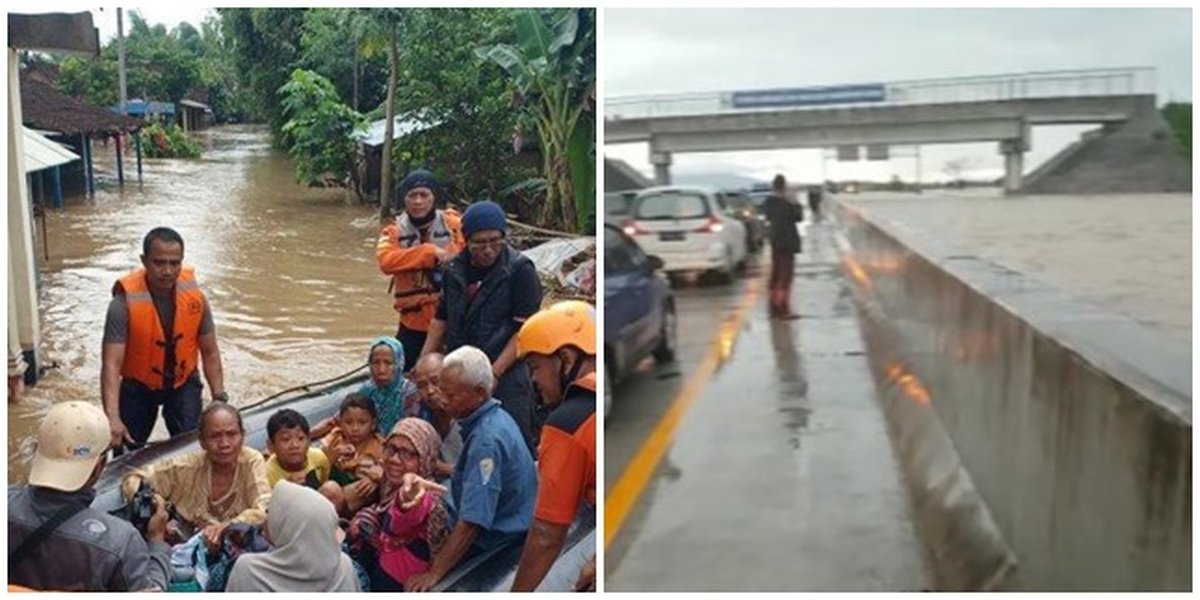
x=552, y=69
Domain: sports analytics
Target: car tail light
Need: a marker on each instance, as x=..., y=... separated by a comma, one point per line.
x=713, y=225
x=631, y=228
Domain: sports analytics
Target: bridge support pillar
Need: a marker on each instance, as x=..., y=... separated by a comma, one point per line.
x=1014, y=162
x=662, y=167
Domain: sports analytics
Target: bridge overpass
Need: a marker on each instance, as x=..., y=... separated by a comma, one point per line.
x=998, y=108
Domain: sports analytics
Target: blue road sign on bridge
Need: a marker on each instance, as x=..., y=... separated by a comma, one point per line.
x=841, y=94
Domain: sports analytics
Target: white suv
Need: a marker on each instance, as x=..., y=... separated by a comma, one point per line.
x=689, y=228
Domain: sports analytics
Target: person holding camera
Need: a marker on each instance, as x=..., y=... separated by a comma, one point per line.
x=413, y=249
x=56, y=541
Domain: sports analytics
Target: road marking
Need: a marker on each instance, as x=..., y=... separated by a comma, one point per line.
x=624, y=495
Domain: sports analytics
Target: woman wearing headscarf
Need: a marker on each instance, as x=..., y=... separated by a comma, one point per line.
x=306, y=556
x=394, y=395
x=407, y=527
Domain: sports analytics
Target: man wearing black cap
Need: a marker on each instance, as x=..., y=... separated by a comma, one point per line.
x=490, y=290
x=412, y=250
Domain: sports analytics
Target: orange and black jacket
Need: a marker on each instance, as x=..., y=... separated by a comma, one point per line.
x=567, y=455
x=410, y=261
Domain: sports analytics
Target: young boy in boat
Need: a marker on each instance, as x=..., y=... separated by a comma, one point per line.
x=355, y=450
x=292, y=458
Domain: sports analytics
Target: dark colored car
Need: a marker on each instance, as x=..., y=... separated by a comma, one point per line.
x=741, y=207
x=639, y=308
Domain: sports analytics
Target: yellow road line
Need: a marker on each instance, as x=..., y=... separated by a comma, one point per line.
x=632, y=483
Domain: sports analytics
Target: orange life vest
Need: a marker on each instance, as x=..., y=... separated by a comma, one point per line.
x=145, y=343
x=414, y=294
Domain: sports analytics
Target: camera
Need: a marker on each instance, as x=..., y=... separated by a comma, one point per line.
x=141, y=507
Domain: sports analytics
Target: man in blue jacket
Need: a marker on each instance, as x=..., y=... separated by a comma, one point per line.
x=494, y=485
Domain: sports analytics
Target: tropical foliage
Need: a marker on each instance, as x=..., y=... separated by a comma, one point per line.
x=167, y=142
x=1179, y=117
x=552, y=70
x=503, y=97
x=321, y=127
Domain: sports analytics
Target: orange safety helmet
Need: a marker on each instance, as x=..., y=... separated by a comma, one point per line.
x=571, y=322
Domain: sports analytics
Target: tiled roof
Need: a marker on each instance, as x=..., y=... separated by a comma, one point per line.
x=47, y=109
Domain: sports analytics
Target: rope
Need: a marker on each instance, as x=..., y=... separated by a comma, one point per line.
x=305, y=387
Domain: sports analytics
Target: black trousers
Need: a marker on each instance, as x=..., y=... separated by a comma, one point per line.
x=139, y=405
x=412, y=341
x=519, y=399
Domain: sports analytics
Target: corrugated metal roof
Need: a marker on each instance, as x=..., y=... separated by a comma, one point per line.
x=404, y=125
x=41, y=153
x=194, y=104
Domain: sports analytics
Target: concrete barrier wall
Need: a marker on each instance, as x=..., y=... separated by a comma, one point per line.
x=1068, y=429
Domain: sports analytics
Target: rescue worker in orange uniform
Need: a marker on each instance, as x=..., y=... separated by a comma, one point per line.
x=559, y=345
x=142, y=368
x=412, y=250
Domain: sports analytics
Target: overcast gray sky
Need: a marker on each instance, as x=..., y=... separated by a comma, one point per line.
x=167, y=13
x=649, y=51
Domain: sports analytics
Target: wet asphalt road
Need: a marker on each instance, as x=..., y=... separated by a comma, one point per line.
x=781, y=476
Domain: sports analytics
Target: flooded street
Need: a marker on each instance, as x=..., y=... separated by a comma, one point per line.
x=289, y=271
x=780, y=476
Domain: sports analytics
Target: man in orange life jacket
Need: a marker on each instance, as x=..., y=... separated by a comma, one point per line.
x=142, y=367
x=412, y=250
x=559, y=345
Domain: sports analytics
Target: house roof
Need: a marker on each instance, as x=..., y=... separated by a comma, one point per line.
x=404, y=125
x=139, y=107
x=193, y=104
x=41, y=153
x=45, y=108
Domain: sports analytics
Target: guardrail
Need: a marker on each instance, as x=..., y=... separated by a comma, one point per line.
x=988, y=88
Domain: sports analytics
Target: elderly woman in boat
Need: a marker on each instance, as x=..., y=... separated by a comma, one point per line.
x=223, y=483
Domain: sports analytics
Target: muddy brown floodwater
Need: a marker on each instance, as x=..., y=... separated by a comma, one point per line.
x=289, y=271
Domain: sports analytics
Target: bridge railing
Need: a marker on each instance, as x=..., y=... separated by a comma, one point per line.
x=990, y=88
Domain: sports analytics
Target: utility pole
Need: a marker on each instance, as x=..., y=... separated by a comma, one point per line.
x=121, y=61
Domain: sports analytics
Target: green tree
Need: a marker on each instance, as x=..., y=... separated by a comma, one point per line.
x=553, y=74
x=320, y=126
x=266, y=49
x=333, y=45
x=228, y=96
x=160, y=65
x=1179, y=117
x=442, y=84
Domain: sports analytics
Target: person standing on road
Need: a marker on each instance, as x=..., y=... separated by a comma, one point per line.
x=412, y=250
x=143, y=368
x=783, y=215
x=559, y=343
x=56, y=540
x=489, y=292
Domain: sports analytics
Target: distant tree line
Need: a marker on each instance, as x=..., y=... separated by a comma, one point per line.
x=490, y=82
x=1179, y=117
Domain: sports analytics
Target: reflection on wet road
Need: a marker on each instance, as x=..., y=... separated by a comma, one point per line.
x=290, y=272
x=781, y=475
